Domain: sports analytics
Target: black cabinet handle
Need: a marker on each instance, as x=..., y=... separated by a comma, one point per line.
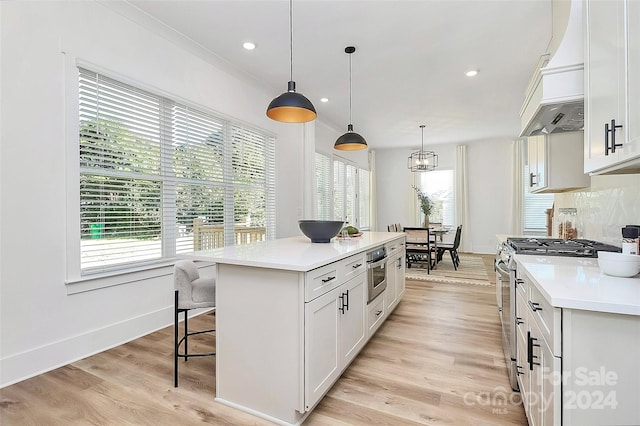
x=519, y=281
x=611, y=129
x=378, y=313
x=518, y=372
x=534, y=306
x=531, y=176
x=347, y=296
x=529, y=350
x=530, y=346
x=357, y=265
x=328, y=279
x=519, y=321
x=341, y=307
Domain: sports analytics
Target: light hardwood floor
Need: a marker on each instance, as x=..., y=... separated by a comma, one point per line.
x=437, y=360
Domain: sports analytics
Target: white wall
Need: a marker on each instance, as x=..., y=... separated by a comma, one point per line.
x=488, y=180
x=41, y=325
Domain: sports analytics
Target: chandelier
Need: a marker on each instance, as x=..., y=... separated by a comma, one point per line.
x=422, y=161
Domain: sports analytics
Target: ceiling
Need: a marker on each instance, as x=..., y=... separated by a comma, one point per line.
x=408, y=69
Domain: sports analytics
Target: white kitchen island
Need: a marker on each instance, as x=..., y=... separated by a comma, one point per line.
x=291, y=315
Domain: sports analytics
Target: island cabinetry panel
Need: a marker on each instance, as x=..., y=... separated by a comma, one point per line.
x=395, y=275
x=335, y=330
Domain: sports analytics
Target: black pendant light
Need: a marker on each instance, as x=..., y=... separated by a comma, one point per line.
x=422, y=161
x=350, y=141
x=291, y=107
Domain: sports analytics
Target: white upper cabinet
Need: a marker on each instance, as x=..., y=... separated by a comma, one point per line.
x=612, y=86
x=555, y=163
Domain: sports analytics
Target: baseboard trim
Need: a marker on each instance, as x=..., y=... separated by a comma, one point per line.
x=27, y=364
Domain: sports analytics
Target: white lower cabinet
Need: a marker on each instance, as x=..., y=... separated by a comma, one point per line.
x=335, y=330
x=538, y=368
x=575, y=367
x=396, y=267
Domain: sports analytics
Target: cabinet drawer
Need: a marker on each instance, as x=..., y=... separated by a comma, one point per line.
x=375, y=315
x=322, y=280
x=354, y=266
x=394, y=246
x=546, y=317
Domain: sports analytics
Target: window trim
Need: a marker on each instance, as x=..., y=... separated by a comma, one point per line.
x=75, y=281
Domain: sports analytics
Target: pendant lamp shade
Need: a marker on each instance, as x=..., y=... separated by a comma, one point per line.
x=350, y=141
x=291, y=107
x=422, y=161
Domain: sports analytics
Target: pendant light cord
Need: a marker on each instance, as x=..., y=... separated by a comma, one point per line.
x=350, y=119
x=422, y=143
x=291, y=39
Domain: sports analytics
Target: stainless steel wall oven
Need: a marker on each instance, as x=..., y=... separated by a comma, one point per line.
x=376, y=272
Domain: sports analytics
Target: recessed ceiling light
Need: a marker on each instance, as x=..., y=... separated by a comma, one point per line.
x=471, y=73
x=249, y=45
x=324, y=100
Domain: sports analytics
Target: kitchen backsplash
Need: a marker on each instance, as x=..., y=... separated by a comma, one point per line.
x=602, y=210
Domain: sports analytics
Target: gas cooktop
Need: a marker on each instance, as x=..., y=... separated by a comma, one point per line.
x=559, y=247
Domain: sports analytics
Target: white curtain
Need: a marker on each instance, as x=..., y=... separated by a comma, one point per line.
x=373, y=197
x=416, y=212
x=309, y=196
x=462, y=198
x=517, y=197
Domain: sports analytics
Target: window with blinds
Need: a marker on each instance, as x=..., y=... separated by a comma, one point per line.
x=535, y=208
x=158, y=178
x=323, y=186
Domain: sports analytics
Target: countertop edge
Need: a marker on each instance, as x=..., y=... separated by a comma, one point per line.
x=235, y=255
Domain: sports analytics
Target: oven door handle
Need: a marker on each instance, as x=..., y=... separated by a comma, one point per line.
x=501, y=269
x=371, y=265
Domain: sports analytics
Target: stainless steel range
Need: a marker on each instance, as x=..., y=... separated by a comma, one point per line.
x=505, y=267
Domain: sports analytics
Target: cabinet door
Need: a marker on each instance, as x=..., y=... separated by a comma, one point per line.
x=537, y=162
x=604, y=80
x=391, y=293
x=353, y=321
x=400, y=274
x=322, y=358
x=545, y=382
x=633, y=79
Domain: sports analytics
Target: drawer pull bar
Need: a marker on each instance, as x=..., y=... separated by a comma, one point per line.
x=534, y=306
x=378, y=313
x=329, y=279
x=346, y=297
x=357, y=265
x=519, y=321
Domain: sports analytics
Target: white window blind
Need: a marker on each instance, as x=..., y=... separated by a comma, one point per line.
x=158, y=178
x=323, y=189
x=350, y=190
x=535, y=208
x=339, y=172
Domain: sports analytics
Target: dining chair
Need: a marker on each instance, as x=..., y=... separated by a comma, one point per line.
x=398, y=227
x=421, y=247
x=391, y=228
x=190, y=292
x=452, y=249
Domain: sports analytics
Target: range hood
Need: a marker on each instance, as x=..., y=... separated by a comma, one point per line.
x=554, y=101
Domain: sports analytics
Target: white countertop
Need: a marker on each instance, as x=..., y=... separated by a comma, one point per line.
x=577, y=283
x=295, y=253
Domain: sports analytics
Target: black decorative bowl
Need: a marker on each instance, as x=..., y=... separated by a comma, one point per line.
x=320, y=231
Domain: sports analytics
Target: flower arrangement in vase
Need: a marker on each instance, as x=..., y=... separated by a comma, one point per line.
x=426, y=205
